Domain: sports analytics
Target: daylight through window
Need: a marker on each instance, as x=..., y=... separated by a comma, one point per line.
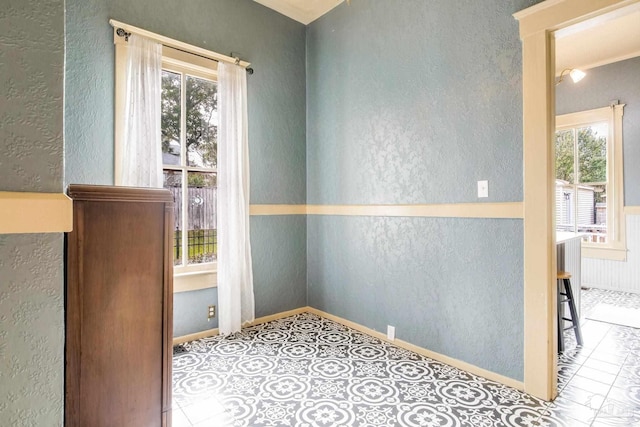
x=189, y=153
x=588, y=191
x=581, y=181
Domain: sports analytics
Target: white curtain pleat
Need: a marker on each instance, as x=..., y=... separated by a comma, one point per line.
x=141, y=147
x=235, y=275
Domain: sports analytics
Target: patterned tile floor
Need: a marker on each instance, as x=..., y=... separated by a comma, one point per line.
x=309, y=371
x=599, y=382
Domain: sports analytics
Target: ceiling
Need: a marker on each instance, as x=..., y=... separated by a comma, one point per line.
x=609, y=38
x=602, y=40
x=305, y=11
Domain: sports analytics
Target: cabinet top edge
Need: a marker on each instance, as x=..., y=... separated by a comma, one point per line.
x=82, y=192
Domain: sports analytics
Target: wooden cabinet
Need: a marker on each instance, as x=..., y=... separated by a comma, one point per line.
x=118, y=307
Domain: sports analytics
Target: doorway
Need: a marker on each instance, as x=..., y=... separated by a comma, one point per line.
x=537, y=25
x=603, y=54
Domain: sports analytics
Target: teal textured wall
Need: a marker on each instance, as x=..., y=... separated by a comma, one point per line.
x=31, y=275
x=601, y=85
x=275, y=45
x=191, y=311
x=414, y=102
x=278, y=246
x=450, y=285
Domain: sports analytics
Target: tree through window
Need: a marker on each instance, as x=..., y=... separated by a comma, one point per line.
x=581, y=181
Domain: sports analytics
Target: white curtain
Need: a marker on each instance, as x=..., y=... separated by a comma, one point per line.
x=235, y=276
x=141, y=164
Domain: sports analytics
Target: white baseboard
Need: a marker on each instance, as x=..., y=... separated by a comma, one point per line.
x=610, y=288
x=277, y=316
x=258, y=321
x=400, y=343
x=196, y=336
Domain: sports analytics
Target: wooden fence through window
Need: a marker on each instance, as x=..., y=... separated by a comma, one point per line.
x=201, y=221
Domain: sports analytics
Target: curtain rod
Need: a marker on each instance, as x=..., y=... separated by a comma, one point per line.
x=125, y=30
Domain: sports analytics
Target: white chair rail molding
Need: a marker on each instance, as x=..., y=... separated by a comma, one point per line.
x=23, y=212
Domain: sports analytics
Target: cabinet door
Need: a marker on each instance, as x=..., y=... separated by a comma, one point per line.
x=115, y=294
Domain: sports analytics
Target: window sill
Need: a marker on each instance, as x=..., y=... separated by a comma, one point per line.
x=194, y=280
x=613, y=254
x=194, y=273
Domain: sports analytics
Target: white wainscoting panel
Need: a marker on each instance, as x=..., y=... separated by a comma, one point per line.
x=617, y=275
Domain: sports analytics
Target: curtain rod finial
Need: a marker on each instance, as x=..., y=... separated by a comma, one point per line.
x=122, y=33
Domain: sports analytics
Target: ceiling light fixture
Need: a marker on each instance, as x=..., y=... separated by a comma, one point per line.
x=575, y=74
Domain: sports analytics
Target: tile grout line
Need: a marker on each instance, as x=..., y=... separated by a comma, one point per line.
x=610, y=387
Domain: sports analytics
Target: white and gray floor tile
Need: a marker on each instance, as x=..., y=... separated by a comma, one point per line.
x=599, y=383
x=306, y=370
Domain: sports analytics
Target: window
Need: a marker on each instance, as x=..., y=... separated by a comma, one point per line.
x=589, y=180
x=189, y=148
x=189, y=126
x=581, y=186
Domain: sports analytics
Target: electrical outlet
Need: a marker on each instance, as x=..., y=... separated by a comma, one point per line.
x=212, y=312
x=391, y=333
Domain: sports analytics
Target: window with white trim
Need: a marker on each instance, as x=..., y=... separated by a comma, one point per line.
x=189, y=150
x=589, y=186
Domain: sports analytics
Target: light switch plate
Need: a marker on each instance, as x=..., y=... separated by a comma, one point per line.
x=483, y=188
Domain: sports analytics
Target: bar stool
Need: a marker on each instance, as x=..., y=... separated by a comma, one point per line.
x=564, y=282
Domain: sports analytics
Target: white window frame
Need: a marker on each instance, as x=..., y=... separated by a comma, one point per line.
x=186, y=277
x=615, y=248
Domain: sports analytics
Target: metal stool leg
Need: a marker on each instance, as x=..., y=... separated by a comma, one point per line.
x=560, y=321
x=572, y=308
